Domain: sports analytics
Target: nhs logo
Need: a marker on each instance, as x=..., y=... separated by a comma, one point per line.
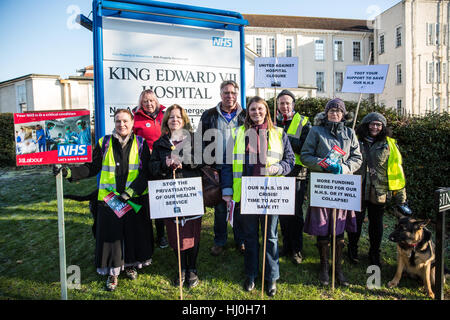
x=222, y=42
x=70, y=150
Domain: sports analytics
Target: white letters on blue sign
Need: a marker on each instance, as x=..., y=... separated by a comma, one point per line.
x=72, y=150
x=222, y=42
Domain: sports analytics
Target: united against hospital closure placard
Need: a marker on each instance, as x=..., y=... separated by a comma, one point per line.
x=175, y=198
x=276, y=72
x=340, y=191
x=268, y=195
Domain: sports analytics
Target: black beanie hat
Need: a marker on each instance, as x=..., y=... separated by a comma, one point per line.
x=336, y=103
x=286, y=93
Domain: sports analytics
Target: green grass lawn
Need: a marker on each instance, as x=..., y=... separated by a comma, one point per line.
x=29, y=255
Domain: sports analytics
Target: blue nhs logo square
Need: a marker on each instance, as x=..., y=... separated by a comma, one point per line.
x=70, y=150
x=222, y=42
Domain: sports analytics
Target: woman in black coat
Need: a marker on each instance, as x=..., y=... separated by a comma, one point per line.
x=126, y=242
x=169, y=155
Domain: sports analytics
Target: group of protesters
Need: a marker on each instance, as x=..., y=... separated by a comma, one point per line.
x=148, y=143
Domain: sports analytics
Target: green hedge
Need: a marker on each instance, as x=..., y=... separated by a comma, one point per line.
x=423, y=141
x=7, y=145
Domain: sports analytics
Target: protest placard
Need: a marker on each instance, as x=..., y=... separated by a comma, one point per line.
x=55, y=137
x=175, y=198
x=268, y=195
x=365, y=78
x=276, y=72
x=340, y=191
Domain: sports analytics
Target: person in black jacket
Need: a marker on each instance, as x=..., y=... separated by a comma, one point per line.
x=297, y=128
x=219, y=122
x=169, y=155
x=124, y=242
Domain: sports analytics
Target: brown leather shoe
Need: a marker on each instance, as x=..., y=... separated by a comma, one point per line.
x=216, y=250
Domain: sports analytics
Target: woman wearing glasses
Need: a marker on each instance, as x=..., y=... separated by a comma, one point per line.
x=382, y=174
x=329, y=130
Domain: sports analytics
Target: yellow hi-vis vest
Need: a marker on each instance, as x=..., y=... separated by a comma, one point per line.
x=107, y=176
x=274, y=155
x=396, y=176
x=295, y=129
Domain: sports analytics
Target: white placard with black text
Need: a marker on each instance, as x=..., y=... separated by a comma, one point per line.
x=340, y=191
x=268, y=195
x=175, y=198
x=365, y=78
x=276, y=72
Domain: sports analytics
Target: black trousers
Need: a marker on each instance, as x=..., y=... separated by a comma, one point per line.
x=188, y=258
x=292, y=226
x=375, y=214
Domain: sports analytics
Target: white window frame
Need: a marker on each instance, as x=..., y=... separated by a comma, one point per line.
x=381, y=44
x=323, y=81
x=319, y=50
x=271, y=47
x=258, y=43
x=430, y=72
x=336, y=50
x=338, y=81
x=353, y=51
x=397, y=106
x=289, y=47
x=398, y=36
x=398, y=74
x=430, y=34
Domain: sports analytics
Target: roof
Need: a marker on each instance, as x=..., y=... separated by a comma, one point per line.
x=273, y=21
x=28, y=76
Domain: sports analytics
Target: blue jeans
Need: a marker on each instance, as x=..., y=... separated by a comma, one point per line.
x=250, y=227
x=220, y=225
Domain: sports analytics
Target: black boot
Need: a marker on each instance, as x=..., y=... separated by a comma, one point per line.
x=338, y=272
x=324, y=252
x=352, y=247
x=374, y=258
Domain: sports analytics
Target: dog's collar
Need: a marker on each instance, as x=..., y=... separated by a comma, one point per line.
x=408, y=245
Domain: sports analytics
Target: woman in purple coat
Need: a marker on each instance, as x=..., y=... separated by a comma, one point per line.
x=329, y=130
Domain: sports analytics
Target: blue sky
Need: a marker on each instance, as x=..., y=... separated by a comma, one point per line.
x=42, y=37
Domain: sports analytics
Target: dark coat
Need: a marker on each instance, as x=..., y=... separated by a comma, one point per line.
x=129, y=239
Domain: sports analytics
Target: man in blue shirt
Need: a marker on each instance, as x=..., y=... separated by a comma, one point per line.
x=40, y=136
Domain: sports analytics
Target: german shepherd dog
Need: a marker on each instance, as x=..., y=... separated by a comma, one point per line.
x=415, y=252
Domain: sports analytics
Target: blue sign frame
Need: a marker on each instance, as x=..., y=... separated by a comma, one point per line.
x=158, y=12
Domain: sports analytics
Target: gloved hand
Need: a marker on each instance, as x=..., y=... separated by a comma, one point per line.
x=66, y=172
x=404, y=209
x=272, y=170
x=335, y=168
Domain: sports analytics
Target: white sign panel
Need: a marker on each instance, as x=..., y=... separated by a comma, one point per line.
x=182, y=64
x=175, y=198
x=340, y=191
x=268, y=195
x=276, y=72
x=365, y=78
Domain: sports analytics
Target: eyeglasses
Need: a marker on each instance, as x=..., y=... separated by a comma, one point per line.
x=376, y=124
x=337, y=111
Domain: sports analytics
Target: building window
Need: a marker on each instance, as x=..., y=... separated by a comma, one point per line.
x=319, y=49
x=372, y=59
x=430, y=34
x=438, y=72
x=338, y=50
x=320, y=81
x=399, y=74
x=445, y=36
x=271, y=47
x=356, y=50
x=398, y=37
x=381, y=44
x=399, y=107
x=438, y=33
x=258, y=46
x=288, y=47
x=430, y=72
x=338, y=81
x=444, y=72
